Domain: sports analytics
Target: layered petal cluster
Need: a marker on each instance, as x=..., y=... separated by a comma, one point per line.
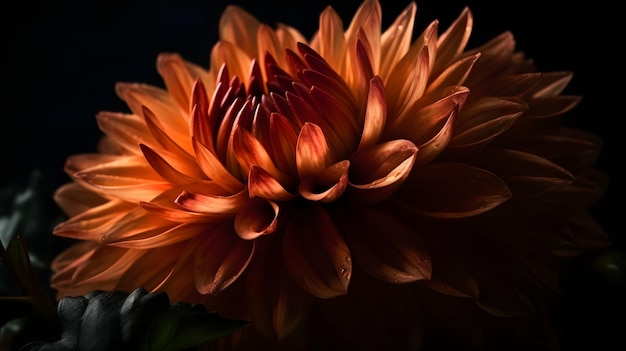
x=309, y=185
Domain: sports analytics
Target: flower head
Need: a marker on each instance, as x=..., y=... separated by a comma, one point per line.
x=293, y=180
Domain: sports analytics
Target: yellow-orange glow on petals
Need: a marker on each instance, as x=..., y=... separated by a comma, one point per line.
x=214, y=169
x=249, y=151
x=239, y=27
x=318, y=258
x=179, y=77
x=126, y=130
x=452, y=41
x=385, y=247
x=258, y=217
x=171, y=117
x=165, y=170
x=312, y=151
x=91, y=223
x=127, y=177
x=74, y=199
x=408, y=80
x=469, y=191
x=375, y=114
x=212, y=204
x=396, y=40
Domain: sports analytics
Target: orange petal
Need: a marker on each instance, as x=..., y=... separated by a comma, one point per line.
x=396, y=40
x=249, y=151
x=262, y=184
x=178, y=80
x=128, y=130
x=90, y=224
x=164, y=169
x=108, y=265
x=384, y=246
x=378, y=172
x=452, y=190
x=212, y=204
x=375, y=114
x=258, y=217
x=453, y=41
x=212, y=166
x=73, y=199
x=312, y=151
x=239, y=27
x=327, y=185
x=318, y=258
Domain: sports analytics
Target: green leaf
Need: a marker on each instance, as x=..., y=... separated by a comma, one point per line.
x=184, y=325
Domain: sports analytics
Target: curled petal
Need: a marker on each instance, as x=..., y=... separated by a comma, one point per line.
x=212, y=204
x=258, y=217
x=318, y=258
x=396, y=40
x=452, y=190
x=384, y=246
x=327, y=185
x=376, y=173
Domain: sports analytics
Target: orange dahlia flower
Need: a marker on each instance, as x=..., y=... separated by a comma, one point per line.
x=363, y=188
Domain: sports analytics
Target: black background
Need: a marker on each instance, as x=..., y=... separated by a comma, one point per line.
x=60, y=62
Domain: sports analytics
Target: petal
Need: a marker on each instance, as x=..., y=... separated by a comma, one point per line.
x=384, y=246
x=526, y=175
x=331, y=42
x=220, y=258
x=239, y=27
x=73, y=199
x=312, y=151
x=485, y=120
x=178, y=79
x=212, y=204
x=396, y=40
x=212, y=166
x=319, y=259
x=249, y=151
x=453, y=41
x=258, y=217
x=375, y=114
x=452, y=190
x=277, y=303
x=378, y=172
x=151, y=268
x=327, y=185
x=136, y=223
x=165, y=170
x=262, y=184
x=90, y=224
x=128, y=130
x=170, y=116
